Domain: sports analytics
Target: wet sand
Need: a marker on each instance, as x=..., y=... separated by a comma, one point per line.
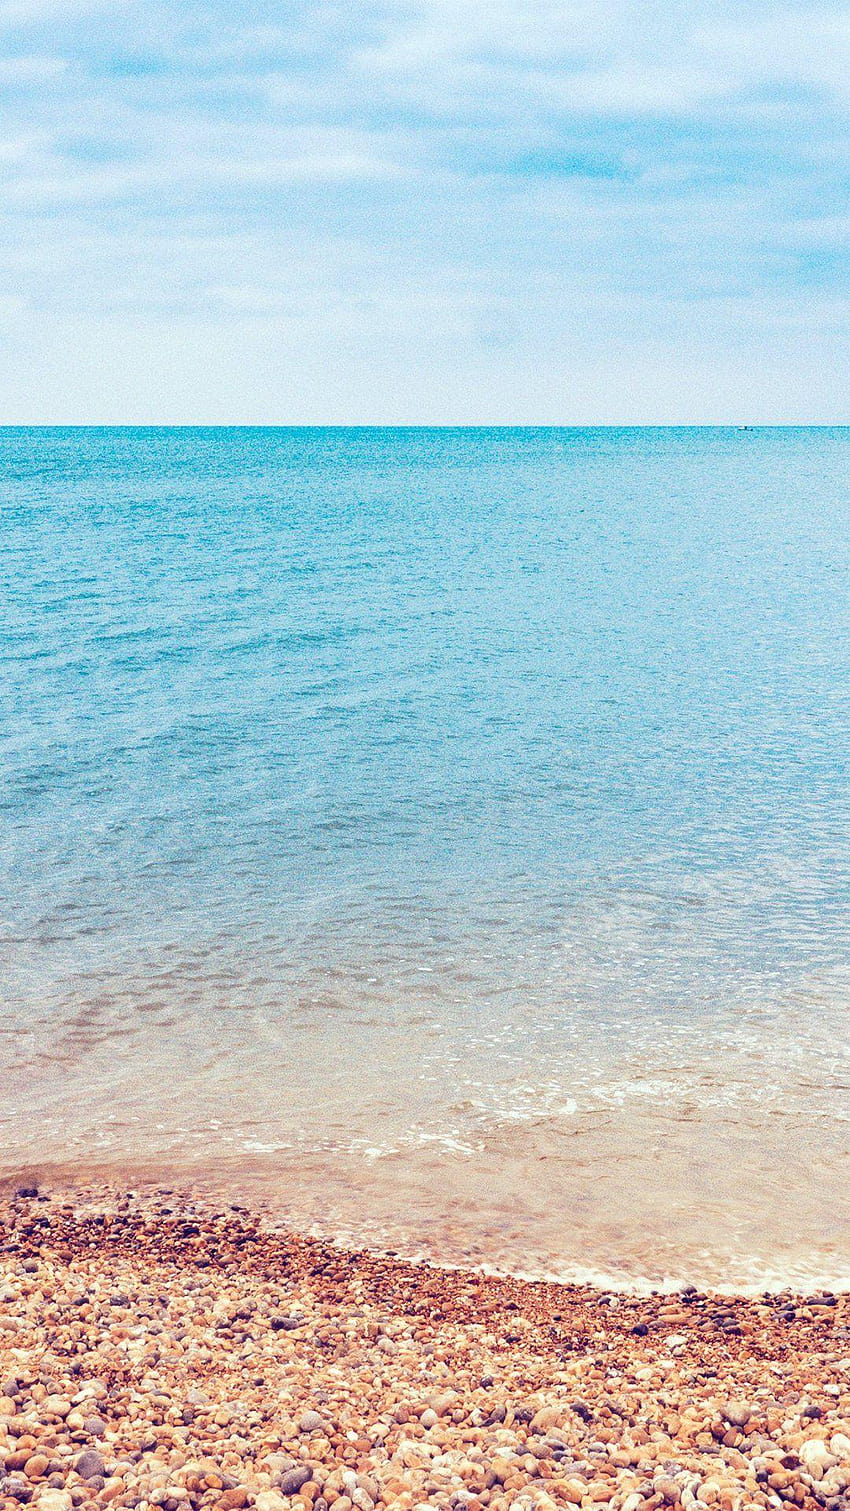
x=613, y=1206
x=156, y=1352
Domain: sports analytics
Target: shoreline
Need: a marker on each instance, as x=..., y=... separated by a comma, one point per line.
x=156, y=1352
x=448, y=1245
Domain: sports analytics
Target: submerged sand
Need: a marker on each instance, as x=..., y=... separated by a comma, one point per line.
x=156, y=1353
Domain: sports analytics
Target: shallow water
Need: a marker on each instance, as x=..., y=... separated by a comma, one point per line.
x=440, y=835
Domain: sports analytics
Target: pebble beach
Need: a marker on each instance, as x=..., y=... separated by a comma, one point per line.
x=158, y=1353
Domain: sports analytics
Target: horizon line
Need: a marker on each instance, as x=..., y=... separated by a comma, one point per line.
x=423, y=425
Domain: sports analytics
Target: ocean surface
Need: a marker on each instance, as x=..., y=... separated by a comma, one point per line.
x=440, y=838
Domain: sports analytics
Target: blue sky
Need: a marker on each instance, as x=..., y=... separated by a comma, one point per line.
x=440, y=212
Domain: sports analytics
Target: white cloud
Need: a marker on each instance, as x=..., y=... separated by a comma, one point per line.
x=809, y=48
x=30, y=70
x=629, y=88
x=28, y=13
x=408, y=199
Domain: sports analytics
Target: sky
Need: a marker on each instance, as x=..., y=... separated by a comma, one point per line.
x=451, y=211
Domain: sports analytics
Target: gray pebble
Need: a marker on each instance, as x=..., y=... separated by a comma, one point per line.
x=293, y=1479
x=737, y=1413
x=89, y=1465
x=310, y=1422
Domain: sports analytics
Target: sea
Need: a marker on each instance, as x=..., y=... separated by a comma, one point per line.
x=437, y=839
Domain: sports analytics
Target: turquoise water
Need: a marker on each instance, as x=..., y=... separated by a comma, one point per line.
x=443, y=832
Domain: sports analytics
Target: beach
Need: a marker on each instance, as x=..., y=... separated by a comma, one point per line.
x=424, y=757
x=157, y=1352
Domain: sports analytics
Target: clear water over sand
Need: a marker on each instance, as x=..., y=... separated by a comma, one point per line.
x=439, y=836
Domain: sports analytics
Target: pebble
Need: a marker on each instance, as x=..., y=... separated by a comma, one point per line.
x=89, y=1465
x=817, y=1457
x=737, y=1413
x=310, y=1421
x=54, y=1500
x=56, y=1406
x=293, y=1479
x=218, y=1366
